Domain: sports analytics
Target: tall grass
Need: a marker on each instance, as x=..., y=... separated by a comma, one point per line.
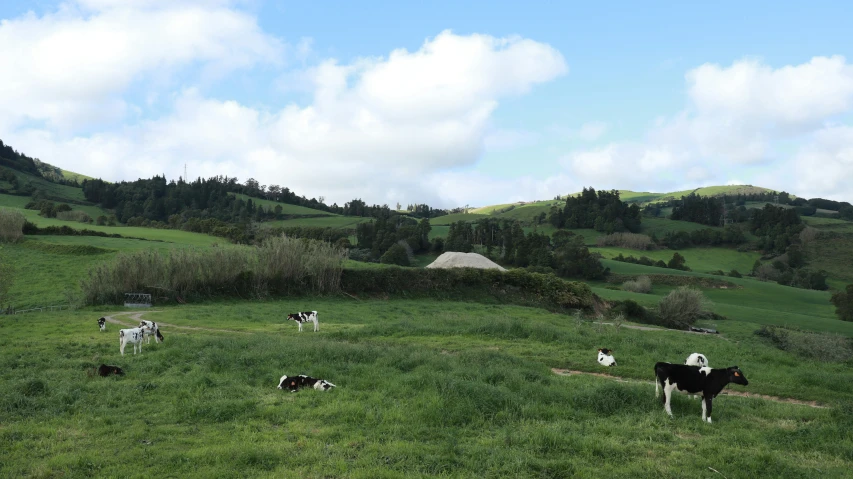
x=11, y=226
x=642, y=284
x=74, y=215
x=280, y=265
x=626, y=240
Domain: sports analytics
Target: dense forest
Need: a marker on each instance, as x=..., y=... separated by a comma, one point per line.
x=601, y=211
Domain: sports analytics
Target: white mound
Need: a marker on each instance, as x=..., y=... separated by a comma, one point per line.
x=453, y=259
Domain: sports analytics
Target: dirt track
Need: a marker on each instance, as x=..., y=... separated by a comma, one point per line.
x=815, y=404
x=136, y=316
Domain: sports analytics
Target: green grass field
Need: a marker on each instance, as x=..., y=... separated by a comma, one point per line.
x=424, y=388
x=702, y=260
x=286, y=208
x=324, y=221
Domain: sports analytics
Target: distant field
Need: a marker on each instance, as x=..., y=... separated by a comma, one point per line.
x=447, y=219
x=286, y=208
x=325, y=221
x=661, y=226
x=70, y=175
x=51, y=189
x=12, y=201
x=700, y=260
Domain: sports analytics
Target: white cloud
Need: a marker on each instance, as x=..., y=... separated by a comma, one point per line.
x=736, y=117
x=379, y=128
x=72, y=69
x=824, y=168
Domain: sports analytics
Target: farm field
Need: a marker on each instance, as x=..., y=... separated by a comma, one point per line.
x=424, y=388
x=286, y=208
x=324, y=221
x=701, y=260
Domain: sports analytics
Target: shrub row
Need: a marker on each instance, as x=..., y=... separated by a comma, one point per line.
x=514, y=286
x=626, y=240
x=279, y=265
x=820, y=346
x=674, y=280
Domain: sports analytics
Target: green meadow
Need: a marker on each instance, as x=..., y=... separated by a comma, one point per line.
x=423, y=389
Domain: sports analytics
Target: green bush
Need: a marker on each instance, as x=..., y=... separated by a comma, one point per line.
x=396, y=255
x=735, y=274
x=11, y=226
x=682, y=307
x=819, y=346
x=642, y=284
x=514, y=286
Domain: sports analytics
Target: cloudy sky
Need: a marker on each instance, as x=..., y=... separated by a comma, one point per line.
x=436, y=103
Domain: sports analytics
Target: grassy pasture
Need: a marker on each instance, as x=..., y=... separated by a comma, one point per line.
x=324, y=221
x=424, y=389
x=698, y=259
x=447, y=219
x=286, y=208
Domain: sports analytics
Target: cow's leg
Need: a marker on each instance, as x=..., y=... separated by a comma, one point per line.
x=121, y=347
x=300, y=326
x=706, y=408
x=657, y=386
x=316, y=325
x=667, y=392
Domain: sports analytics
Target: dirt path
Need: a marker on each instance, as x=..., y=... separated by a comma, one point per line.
x=648, y=328
x=815, y=404
x=136, y=316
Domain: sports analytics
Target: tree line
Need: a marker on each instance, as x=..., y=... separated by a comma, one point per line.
x=598, y=210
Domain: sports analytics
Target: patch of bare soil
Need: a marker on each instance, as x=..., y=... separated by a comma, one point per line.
x=137, y=317
x=815, y=404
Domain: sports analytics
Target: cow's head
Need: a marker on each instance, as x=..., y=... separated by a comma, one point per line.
x=736, y=376
x=118, y=370
x=605, y=351
x=289, y=383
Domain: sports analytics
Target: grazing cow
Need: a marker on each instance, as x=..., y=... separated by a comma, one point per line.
x=293, y=383
x=697, y=359
x=133, y=336
x=305, y=317
x=605, y=357
x=102, y=323
x=151, y=329
x=693, y=379
x=105, y=370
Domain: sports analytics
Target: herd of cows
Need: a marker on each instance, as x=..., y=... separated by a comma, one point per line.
x=695, y=377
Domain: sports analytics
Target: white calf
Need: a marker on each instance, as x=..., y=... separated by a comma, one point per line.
x=697, y=359
x=605, y=357
x=151, y=329
x=133, y=336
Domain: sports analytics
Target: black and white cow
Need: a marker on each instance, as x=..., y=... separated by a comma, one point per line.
x=151, y=329
x=692, y=379
x=304, y=317
x=133, y=336
x=605, y=357
x=293, y=383
x=105, y=370
x=102, y=324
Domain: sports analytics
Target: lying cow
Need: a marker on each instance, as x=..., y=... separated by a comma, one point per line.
x=105, y=370
x=305, y=317
x=605, y=357
x=692, y=379
x=102, y=324
x=293, y=383
x=151, y=329
x=133, y=336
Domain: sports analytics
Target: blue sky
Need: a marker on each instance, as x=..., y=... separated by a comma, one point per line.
x=542, y=99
